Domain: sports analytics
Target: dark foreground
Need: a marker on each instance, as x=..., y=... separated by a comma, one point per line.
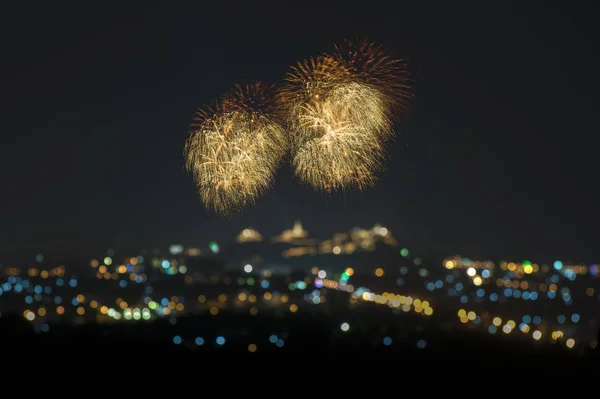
x=313, y=342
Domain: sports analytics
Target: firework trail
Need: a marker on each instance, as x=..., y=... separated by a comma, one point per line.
x=340, y=109
x=235, y=147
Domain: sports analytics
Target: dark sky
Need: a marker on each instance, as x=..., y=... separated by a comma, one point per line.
x=498, y=158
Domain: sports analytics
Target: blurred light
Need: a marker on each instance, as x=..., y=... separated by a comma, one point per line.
x=248, y=268
x=177, y=340
x=345, y=326
x=220, y=340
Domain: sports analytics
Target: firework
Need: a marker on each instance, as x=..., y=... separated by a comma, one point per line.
x=340, y=109
x=235, y=148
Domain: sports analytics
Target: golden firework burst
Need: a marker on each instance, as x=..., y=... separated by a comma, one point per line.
x=235, y=147
x=339, y=109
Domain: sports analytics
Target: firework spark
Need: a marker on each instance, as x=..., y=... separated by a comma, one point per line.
x=340, y=109
x=235, y=148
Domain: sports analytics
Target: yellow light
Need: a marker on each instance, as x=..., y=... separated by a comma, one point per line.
x=497, y=321
x=350, y=271
x=80, y=311
x=528, y=269
x=570, y=343
x=537, y=335
x=450, y=264
x=268, y=296
x=252, y=348
x=477, y=280
x=293, y=308
x=214, y=311
x=511, y=323
x=428, y=311
x=471, y=315
x=462, y=313
x=379, y=272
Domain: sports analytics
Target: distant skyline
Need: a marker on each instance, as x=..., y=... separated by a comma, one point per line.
x=495, y=160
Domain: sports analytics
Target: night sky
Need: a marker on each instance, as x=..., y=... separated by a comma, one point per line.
x=498, y=158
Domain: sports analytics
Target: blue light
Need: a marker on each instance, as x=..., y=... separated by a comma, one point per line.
x=526, y=319
x=73, y=283
x=430, y=286
x=537, y=320
x=464, y=299
x=199, y=341
x=387, y=341
x=164, y=301
x=57, y=300
x=264, y=284
x=220, y=340
x=477, y=319
x=421, y=344
x=555, y=278
x=38, y=289
x=279, y=343
x=60, y=282
x=459, y=287
x=12, y=279
x=166, y=264
x=558, y=265
x=74, y=302
x=525, y=295
x=508, y=292
x=6, y=286
x=533, y=295
x=451, y=292
x=273, y=338
x=492, y=329
x=561, y=319
x=301, y=285
x=517, y=294
x=485, y=273
x=439, y=284
x=123, y=283
x=18, y=287
x=575, y=318
x=400, y=281
x=47, y=290
x=138, y=279
x=493, y=297
x=45, y=327
x=1, y=291
x=449, y=278
x=404, y=270
x=28, y=299
x=318, y=283
x=177, y=340
x=481, y=293
x=551, y=294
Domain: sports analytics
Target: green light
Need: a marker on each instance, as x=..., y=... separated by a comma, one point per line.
x=526, y=262
x=250, y=281
x=214, y=247
x=404, y=252
x=345, y=276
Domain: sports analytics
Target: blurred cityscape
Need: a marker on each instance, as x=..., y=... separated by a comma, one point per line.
x=351, y=279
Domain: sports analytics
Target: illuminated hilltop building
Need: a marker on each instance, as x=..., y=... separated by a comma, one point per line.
x=297, y=236
x=249, y=235
x=340, y=243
